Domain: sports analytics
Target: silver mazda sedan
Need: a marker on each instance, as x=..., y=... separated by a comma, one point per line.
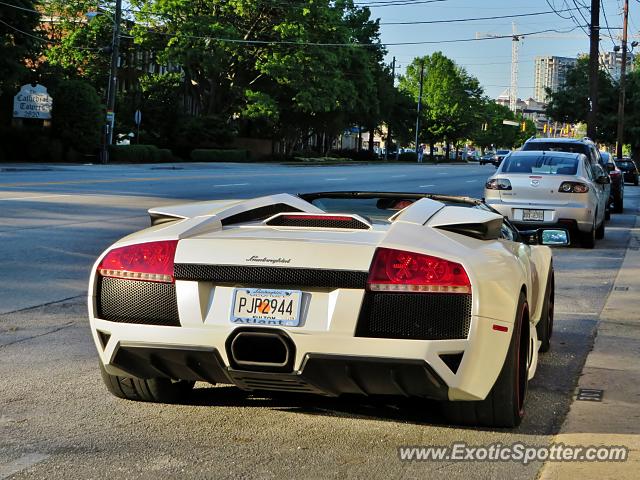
x=535, y=189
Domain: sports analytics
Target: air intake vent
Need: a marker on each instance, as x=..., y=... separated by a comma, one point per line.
x=452, y=360
x=258, y=214
x=305, y=220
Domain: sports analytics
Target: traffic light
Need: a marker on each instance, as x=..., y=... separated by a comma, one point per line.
x=523, y=127
x=545, y=128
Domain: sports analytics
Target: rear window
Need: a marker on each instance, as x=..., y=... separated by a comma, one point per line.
x=557, y=147
x=541, y=165
x=624, y=165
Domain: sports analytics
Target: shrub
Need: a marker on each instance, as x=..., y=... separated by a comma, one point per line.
x=77, y=115
x=139, y=154
x=214, y=155
x=409, y=157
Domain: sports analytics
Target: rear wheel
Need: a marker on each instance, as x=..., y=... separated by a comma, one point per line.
x=600, y=231
x=588, y=239
x=504, y=405
x=159, y=390
x=544, y=328
x=635, y=181
x=618, y=204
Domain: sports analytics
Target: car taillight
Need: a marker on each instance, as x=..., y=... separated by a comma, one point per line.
x=573, y=187
x=614, y=173
x=152, y=262
x=400, y=271
x=498, y=184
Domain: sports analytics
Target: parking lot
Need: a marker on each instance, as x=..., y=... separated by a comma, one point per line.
x=57, y=419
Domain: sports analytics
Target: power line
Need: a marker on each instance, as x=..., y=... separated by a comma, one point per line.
x=495, y=17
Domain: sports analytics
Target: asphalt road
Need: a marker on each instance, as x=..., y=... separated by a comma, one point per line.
x=58, y=421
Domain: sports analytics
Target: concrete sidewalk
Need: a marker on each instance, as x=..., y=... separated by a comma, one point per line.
x=613, y=366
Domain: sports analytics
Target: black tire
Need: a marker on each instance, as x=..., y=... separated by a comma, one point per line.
x=544, y=328
x=159, y=390
x=618, y=205
x=600, y=231
x=588, y=239
x=635, y=181
x=504, y=405
x=607, y=214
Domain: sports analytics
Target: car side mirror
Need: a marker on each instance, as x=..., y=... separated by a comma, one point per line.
x=603, y=180
x=546, y=236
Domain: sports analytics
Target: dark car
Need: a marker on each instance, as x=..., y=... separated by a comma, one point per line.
x=499, y=156
x=571, y=145
x=629, y=170
x=487, y=158
x=617, y=182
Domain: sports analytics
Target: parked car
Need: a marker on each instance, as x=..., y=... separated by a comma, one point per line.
x=573, y=145
x=499, y=157
x=394, y=294
x=629, y=170
x=617, y=182
x=551, y=189
x=486, y=158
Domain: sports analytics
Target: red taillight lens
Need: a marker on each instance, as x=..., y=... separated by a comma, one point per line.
x=152, y=261
x=614, y=173
x=400, y=271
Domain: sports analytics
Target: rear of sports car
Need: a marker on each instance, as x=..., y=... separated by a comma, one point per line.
x=318, y=303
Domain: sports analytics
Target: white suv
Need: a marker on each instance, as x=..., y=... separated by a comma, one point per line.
x=542, y=189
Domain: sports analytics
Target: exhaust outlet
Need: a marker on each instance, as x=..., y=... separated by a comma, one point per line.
x=261, y=350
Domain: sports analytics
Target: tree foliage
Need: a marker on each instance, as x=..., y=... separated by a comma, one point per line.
x=16, y=48
x=77, y=115
x=451, y=98
x=570, y=104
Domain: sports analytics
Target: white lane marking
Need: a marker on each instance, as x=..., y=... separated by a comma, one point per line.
x=471, y=181
x=334, y=179
x=231, y=185
x=425, y=186
x=22, y=463
x=398, y=176
x=443, y=173
x=35, y=197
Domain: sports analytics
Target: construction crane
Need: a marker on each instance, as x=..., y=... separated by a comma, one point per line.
x=515, y=55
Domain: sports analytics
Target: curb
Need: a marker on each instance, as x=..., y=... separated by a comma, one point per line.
x=613, y=366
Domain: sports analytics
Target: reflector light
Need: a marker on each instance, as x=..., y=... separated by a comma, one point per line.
x=500, y=328
x=151, y=262
x=400, y=271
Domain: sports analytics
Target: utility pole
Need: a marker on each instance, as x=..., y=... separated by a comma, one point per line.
x=515, y=52
x=594, y=62
x=393, y=84
x=419, y=108
x=623, y=73
x=107, y=138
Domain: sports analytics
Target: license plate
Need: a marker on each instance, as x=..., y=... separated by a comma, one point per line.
x=533, y=215
x=256, y=306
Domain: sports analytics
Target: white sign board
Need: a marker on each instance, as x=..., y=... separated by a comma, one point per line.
x=32, y=102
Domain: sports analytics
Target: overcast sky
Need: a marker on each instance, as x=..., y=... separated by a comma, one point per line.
x=490, y=60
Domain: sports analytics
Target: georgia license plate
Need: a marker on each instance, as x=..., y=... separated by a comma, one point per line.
x=533, y=215
x=256, y=306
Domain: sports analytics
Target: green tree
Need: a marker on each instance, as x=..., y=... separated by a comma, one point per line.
x=451, y=98
x=570, y=104
x=77, y=115
x=17, y=49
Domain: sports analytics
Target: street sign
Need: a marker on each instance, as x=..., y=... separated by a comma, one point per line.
x=137, y=117
x=510, y=122
x=32, y=101
x=111, y=116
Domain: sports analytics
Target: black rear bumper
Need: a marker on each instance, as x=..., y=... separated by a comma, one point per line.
x=322, y=374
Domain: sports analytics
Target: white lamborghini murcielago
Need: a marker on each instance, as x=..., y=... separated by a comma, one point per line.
x=370, y=293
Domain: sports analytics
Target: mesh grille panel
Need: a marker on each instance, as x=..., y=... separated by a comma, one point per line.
x=436, y=316
x=133, y=301
x=292, y=221
x=273, y=276
x=259, y=213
